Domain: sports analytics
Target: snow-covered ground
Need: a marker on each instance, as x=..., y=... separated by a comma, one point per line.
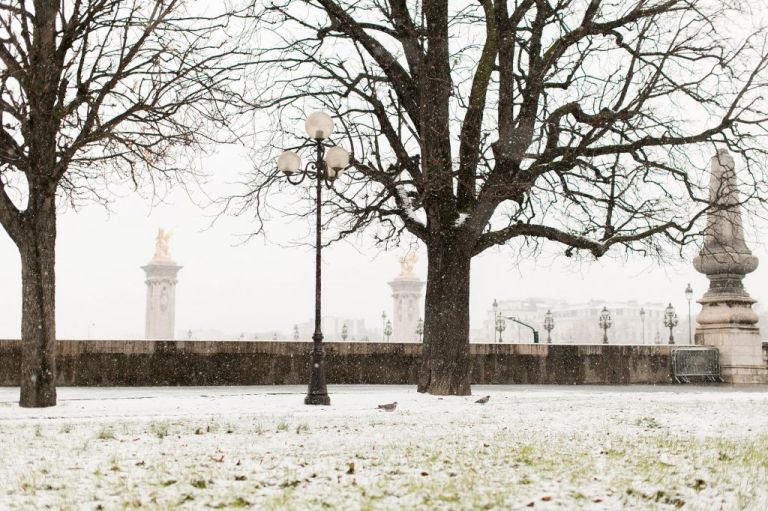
x=541, y=447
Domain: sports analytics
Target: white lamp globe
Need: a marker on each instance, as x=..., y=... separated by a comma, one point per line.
x=288, y=162
x=336, y=159
x=319, y=125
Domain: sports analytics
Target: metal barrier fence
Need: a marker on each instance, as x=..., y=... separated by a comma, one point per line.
x=696, y=362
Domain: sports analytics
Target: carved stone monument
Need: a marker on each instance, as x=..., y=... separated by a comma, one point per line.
x=406, y=295
x=161, y=283
x=727, y=320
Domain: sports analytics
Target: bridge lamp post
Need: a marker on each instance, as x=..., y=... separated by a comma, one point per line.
x=420, y=329
x=499, y=325
x=605, y=322
x=670, y=321
x=549, y=325
x=689, y=297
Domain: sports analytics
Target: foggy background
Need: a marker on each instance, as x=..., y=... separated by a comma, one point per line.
x=266, y=285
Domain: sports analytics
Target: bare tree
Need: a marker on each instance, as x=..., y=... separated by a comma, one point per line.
x=90, y=91
x=478, y=124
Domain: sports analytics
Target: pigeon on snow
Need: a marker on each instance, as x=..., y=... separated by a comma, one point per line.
x=389, y=407
x=483, y=400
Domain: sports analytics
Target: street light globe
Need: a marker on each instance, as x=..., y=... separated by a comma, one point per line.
x=288, y=162
x=319, y=125
x=337, y=159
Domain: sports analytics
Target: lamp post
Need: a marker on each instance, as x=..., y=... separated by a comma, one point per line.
x=549, y=325
x=670, y=321
x=329, y=163
x=420, y=329
x=526, y=325
x=499, y=324
x=383, y=325
x=605, y=323
x=388, y=330
x=344, y=332
x=642, y=320
x=295, y=332
x=689, y=296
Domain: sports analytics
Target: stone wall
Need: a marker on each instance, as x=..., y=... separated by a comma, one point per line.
x=143, y=363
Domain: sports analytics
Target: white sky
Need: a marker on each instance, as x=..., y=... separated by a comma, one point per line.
x=267, y=285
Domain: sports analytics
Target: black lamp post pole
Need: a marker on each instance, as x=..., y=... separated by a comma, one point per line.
x=318, y=392
x=319, y=126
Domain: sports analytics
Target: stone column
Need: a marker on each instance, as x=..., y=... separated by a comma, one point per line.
x=406, y=297
x=727, y=320
x=161, y=283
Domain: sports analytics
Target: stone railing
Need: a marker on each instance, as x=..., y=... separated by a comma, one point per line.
x=143, y=363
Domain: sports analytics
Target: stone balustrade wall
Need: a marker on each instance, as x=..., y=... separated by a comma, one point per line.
x=146, y=363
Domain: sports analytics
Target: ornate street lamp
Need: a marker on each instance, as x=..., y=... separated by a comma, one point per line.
x=383, y=325
x=344, y=332
x=642, y=320
x=549, y=325
x=670, y=321
x=329, y=163
x=499, y=324
x=689, y=296
x=420, y=329
x=605, y=323
x=387, y=330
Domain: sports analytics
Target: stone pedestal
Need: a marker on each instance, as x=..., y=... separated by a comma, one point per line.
x=727, y=320
x=740, y=352
x=161, y=283
x=406, y=297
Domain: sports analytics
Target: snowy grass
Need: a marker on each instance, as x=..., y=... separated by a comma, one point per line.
x=257, y=447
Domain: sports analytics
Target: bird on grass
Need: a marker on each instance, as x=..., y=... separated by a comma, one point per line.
x=389, y=407
x=483, y=400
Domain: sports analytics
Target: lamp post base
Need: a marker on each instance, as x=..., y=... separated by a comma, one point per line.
x=317, y=393
x=317, y=399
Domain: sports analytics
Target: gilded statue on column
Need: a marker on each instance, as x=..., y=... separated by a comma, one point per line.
x=162, y=241
x=407, y=264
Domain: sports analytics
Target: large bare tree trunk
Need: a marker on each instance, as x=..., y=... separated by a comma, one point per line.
x=445, y=361
x=38, y=320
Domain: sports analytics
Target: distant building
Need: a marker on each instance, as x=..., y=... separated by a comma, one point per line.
x=578, y=323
